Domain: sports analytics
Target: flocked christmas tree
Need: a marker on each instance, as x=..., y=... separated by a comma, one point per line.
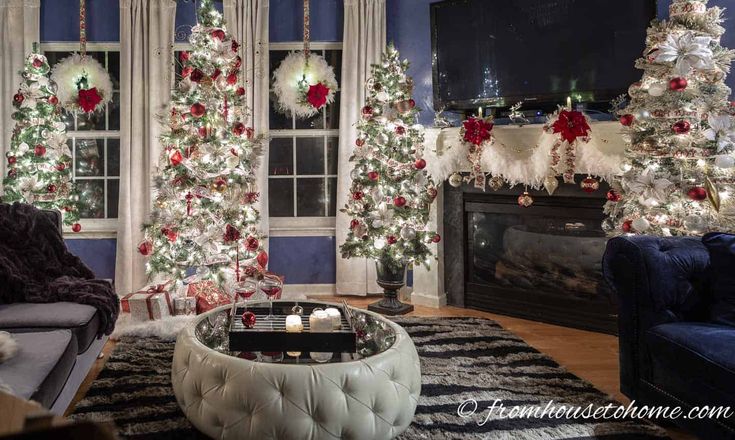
x=391, y=192
x=679, y=177
x=204, y=213
x=39, y=160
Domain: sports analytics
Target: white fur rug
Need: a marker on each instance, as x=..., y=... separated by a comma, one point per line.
x=167, y=328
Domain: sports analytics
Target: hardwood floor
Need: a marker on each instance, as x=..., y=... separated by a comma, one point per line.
x=591, y=356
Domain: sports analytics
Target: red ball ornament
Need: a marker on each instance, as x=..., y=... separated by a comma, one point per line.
x=354, y=223
x=197, y=75
x=411, y=103
x=53, y=100
x=420, y=164
x=697, y=193
x=357, y=195
x=400, y=130
x=39, y=150
x=682, y=127
x=198, y=110
x=251, y=243
x=367, y=112
x=18, y=98
x=590, y=185
x=373, y=175
x=262, y=258
x=627, y=225
x=37, y=62
x=170, y=234
x=12, y=173
x=391, y=239
x=678, y=84
x=218, y=34
x=232, y=79
x=248, y=319
x=51, y=188
x=238, y=129
x=60, y=166
x=145, y=248
x=240, y=91
x=202, y=131
x=184, y=56
x=399, y=201
x=76, y=227
x=12, y=160
x=359, y=142
x=627, y=120
x=176, y=158
x=436, y=238
x=614, y=196
x=432, y=193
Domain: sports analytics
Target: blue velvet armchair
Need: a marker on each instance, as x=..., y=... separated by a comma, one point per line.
x=671, y=353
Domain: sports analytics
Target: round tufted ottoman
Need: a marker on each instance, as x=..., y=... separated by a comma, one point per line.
x=227, y=397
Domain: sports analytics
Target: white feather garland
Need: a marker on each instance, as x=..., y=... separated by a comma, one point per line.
x=521, y=155
x=294, y=68
x=67, y=73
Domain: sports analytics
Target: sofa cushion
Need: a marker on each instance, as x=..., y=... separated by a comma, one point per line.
x=40, y=368
x=721, y=277
x=694, y=361
x=81, y=319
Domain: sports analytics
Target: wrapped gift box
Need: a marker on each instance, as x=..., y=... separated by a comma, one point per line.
x=208, y=295
x=153, y=302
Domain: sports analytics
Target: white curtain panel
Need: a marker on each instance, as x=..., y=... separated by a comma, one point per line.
x=146, y=80
x=247, y=20
x=363, y=43
x=19, y=27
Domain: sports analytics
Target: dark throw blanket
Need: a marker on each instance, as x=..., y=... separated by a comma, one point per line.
x=36, y=267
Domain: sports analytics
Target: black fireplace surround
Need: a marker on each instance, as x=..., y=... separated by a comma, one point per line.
x=541, y=263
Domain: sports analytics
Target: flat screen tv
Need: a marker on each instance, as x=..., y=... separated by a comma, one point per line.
x=495, y=53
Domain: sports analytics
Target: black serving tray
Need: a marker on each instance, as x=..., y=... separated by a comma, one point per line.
x=271, y=336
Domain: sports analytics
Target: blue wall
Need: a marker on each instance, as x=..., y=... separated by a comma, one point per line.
x=409, y=25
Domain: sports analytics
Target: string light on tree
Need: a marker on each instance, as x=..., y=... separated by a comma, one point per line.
x=391, y=191
x=680, y=156
x=205, y=212
x=39, y=159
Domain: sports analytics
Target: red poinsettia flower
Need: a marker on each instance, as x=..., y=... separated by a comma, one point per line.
x=571, y=124
x=317, y=95
x=88, y=99
x=476, y=130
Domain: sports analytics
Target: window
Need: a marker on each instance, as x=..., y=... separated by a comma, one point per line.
x=94, y=140
x=302, y=164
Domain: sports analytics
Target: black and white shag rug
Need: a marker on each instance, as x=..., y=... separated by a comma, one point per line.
x=461, y=359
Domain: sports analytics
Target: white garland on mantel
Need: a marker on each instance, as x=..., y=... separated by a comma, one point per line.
x=522, y=155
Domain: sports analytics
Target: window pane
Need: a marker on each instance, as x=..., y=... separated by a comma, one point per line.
x=310, y=197
x=113, y=67
x=314, y=122
x=276, y=56
x=113, y=157
x=55, y=57
x=90, y=160
x=332, y=181
x=310, y=155
x=114, y=112
x=91, y=121
x=99, y=56
x=68, y=119
x=280, y=159
x=332, y=148
x=278, y=120
x=91, y=198
x=113, y=196
x=334, y=58
x=332, y=119
x=280, y=197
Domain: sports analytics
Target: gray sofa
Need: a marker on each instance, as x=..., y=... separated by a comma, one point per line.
x=57, y=347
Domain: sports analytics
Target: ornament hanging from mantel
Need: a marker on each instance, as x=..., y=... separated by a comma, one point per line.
x=304, y=82
x=83, y=83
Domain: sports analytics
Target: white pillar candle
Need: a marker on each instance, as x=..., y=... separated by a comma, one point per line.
x=320, y=322
x=335, y=316
x=294, y=324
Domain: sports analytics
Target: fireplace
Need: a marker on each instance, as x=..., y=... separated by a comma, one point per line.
x=541, y=263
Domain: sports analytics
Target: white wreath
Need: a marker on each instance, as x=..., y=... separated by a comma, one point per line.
x=292, y=79
x=68, y=72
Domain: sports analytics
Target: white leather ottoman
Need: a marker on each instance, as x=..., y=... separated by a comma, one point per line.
x=227, y=397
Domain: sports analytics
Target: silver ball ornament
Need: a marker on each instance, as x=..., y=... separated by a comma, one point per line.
x=455, y=180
